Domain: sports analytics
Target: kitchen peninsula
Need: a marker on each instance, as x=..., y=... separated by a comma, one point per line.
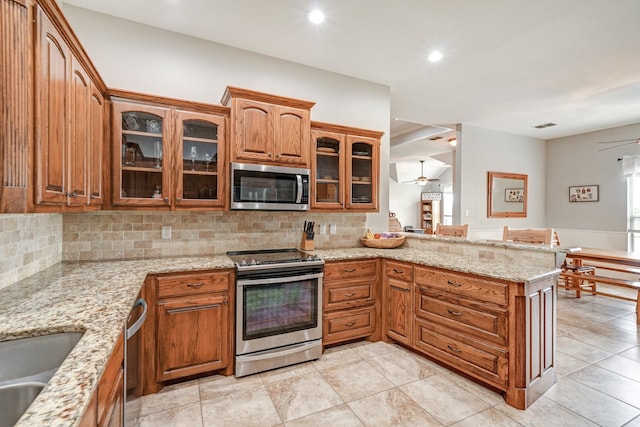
x=95, y=298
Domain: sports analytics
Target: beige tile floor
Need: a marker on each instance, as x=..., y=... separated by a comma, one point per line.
x=380, y=384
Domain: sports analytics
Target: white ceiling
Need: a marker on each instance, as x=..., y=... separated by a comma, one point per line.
x=508, y=64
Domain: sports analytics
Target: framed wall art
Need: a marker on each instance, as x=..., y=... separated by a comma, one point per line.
x=513, y=194
x=584, y=193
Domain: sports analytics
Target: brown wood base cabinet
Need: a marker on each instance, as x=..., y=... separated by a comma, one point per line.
x=193, y=327
x=498, y=332
x=106, y=407
x=349, y=303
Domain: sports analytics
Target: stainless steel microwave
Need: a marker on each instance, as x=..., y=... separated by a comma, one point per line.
x=265, y=187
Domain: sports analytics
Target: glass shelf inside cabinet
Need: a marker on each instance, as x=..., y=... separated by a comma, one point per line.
x=142, y=155
x=361, y=149
x=199, y=148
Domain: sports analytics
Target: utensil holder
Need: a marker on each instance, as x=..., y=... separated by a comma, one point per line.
x=306, y=244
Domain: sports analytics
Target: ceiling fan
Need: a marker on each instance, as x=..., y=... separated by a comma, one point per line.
x=620, y=142
x=421, y=180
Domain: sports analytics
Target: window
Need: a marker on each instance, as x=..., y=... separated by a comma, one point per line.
x=633, y=212
x=631, y=169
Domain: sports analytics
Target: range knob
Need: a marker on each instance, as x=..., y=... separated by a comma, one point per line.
x=253, y=262
x=243, y=263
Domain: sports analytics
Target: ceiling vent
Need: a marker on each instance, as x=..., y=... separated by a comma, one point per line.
x=545, y=125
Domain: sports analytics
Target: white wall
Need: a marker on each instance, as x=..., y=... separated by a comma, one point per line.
x=480, y=151
x=145, y=59
x=577, y=160
x=404, y=201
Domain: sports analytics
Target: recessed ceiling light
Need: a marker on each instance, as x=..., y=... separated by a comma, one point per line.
x=435, y=56
x=316, y=16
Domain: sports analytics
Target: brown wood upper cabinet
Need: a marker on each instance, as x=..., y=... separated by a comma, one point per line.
x=268, y=129
x=345, y=168
x=164, y=156
x=68, y=123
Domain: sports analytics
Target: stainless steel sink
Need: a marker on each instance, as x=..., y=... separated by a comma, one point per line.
x=15, y=399
x=26, y=366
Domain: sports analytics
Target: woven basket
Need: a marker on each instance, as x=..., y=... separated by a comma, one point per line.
x=383, y=243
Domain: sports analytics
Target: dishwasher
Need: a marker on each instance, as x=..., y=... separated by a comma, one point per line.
x=133, y=362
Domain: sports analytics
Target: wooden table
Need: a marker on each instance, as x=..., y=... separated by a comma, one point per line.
x=616, y=257
x=609, y=260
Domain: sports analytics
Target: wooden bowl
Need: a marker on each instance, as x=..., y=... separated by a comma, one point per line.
x=383, y=243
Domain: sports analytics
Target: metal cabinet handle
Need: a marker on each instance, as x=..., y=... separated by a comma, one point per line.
x=178, y=199
x=455, y=350
x=350, y=324
x=74, y=194
x=452, y=283
x=349, y=270
x=94, y=195
x=395, y=270
x=195, y=285
x=455, y=313
x=350, y=295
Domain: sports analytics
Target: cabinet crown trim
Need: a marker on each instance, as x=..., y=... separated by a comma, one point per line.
x=330, y=127
x=235, y=92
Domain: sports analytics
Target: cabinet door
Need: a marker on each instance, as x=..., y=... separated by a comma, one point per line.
x=399, y=313
x=51, y=84
x=253, y=139
x=192, y=336
x=141, y=155
x=327, y=179
x=96, y=141
x=200, y=160
x=362, y=173
x=291, y=142
x=79, y=143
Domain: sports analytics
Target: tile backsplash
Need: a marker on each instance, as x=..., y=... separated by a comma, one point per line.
x=125, y=235
x=28, y=243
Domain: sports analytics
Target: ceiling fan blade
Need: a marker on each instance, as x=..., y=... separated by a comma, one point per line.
x=408, y=182
x=619, y=140
x=617, y=146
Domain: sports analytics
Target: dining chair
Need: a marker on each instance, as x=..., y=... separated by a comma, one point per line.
x=538, y=236
x=452, y=230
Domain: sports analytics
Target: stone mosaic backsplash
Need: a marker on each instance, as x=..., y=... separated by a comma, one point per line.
x=117, y=235
x=29, y=243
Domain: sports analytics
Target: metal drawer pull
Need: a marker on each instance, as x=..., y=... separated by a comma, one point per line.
x=456, y=350
x=349, y=270
x=195, y=285
x=350, y=295
x=452, y=283
x=395, y=270
x=455, y=313
x=350, y=324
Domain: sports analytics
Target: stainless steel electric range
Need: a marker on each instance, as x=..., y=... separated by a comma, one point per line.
x=278, y=308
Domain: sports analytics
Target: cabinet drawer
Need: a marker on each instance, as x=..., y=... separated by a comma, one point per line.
x=348, y=324
x=472, y=287
x=399, y=271
x=350, y=270
x=192, y=284
x=469, y=317
x=485, y=362
x=339, y=295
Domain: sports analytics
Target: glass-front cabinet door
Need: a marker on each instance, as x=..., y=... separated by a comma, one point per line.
x=140, y=162
x=199, y=160
x=362, y=173
x=327, y=180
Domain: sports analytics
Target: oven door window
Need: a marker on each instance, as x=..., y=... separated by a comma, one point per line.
x=275, y=309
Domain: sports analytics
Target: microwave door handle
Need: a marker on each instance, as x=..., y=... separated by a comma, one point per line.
x=299, y=192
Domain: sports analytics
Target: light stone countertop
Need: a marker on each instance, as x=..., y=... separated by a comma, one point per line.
x=96, y=297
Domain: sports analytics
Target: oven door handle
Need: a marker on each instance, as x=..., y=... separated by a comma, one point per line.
x=268, y=354
x=270, y=281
